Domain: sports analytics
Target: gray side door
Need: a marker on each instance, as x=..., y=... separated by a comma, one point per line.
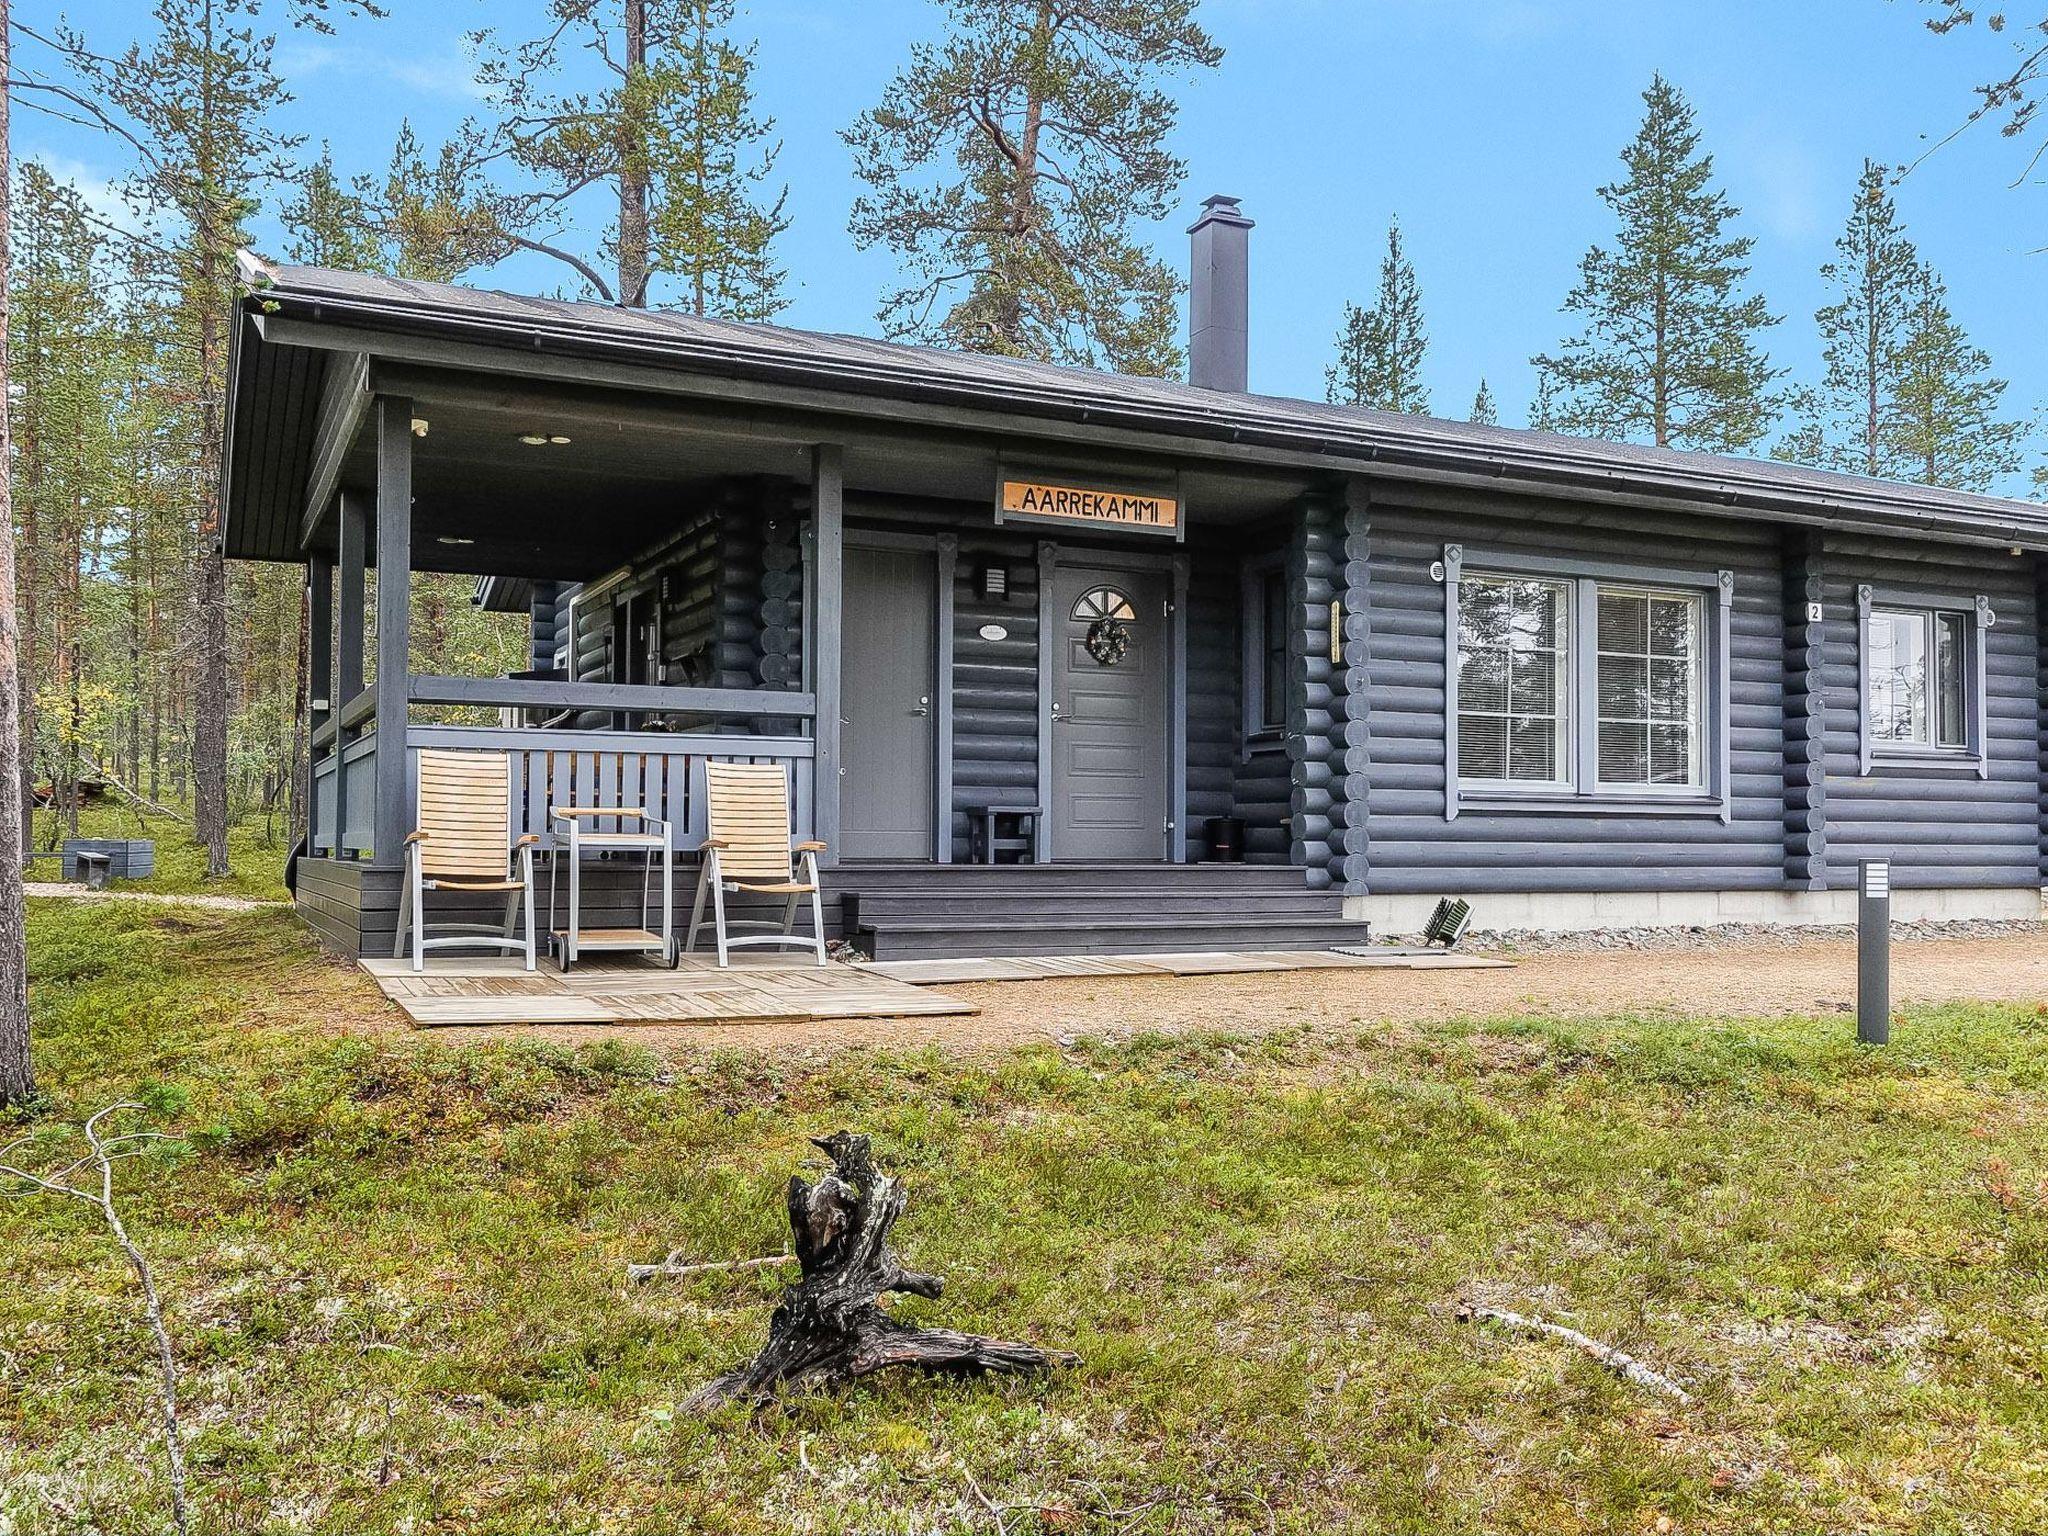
x=886, y=722
x=1109, y=714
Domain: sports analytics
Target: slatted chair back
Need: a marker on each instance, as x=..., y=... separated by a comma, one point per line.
x=748, y=815
x=465, y=801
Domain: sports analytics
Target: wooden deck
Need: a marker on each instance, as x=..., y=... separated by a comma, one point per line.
x=759, y=990
x=784, y=988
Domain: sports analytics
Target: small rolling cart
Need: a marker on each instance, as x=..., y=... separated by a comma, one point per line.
x=581, y=834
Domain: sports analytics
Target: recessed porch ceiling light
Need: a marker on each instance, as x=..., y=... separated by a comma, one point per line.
x=558, y=440
x=453, y=540
x=534, y=439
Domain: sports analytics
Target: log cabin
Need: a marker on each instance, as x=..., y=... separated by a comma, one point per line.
x=1066, y=662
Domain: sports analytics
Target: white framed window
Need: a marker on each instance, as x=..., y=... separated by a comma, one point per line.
x=1919, y=678
x=1599, y=691
x=1513, y=663
x=1652, y=719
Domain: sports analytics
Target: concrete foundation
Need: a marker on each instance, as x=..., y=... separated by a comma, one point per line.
x=1579, y=912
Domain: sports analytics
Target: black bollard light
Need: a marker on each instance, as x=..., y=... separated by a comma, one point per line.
x=1874, y=952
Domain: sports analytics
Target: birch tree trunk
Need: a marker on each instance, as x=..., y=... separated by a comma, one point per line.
x=17, y=1080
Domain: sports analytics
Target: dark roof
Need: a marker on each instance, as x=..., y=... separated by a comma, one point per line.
x=874, y=371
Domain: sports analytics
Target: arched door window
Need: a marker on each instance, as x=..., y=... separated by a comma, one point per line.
x=1103, y=603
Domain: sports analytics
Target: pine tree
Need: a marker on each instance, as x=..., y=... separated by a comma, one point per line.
x=1844, y=423
x=326, y=224
x=1670, y=349
x=1484, y=412
x=1381, y=350
x=1946, y=430
x=17, y=1074
x=713, y=222
x=672, y=136
x=1006, y=166
x=194, y=104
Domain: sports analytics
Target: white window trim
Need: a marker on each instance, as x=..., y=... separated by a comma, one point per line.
x=1567, y=701
x=1875, y=755
x=1584, y=792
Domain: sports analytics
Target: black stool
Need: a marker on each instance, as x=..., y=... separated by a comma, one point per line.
x=996, y=830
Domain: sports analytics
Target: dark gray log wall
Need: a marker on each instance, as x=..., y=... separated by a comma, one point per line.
x=995, y=682
x=1802, y=816
x=1215, y=666
x=1806, y=776
x=2041, y=690
x=1316, y=708
x=1939, y=827
x=1355, y=872
x=1414, y=849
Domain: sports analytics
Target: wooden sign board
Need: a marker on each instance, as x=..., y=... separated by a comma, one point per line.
x=1037, y=501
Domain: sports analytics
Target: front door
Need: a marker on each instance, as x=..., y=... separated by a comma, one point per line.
x=1110, y=673
x=886, y=724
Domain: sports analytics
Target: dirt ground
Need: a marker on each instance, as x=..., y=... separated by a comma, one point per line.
x=1730, y=980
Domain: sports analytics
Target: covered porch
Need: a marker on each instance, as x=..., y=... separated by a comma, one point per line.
x=709, y=572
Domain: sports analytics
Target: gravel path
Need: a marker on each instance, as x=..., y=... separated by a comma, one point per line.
x=1777, y=974
x=52, y=889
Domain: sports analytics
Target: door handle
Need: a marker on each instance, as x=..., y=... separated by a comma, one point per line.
x=924, y=705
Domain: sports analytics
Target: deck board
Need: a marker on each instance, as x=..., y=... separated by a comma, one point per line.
x=633, y=991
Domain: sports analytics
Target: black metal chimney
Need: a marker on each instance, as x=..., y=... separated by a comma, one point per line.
x=1218, y=297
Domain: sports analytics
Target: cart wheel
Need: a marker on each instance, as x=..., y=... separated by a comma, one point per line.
x=675, y=953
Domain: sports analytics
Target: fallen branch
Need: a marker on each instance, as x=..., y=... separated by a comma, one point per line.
x=1617, y=1360
x=672, y=1267
x=91, y=1179
x=830, y=1328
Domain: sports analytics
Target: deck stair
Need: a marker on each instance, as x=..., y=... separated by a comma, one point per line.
x=930, y=911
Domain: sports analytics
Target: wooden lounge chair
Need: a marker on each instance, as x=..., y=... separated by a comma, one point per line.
x=465, y=812
x=748, y=849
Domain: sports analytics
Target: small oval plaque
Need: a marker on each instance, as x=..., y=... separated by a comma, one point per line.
x=993, y=632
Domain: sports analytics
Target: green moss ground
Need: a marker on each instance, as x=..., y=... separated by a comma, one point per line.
x=395, y=1271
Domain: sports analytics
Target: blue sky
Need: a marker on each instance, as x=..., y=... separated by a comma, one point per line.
x=1484, y=124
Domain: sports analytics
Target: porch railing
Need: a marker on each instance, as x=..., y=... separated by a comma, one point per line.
x=660, y=772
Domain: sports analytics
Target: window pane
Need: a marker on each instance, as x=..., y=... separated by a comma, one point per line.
x=1273, y=646
x=1533, y=748
x=1670, y=690
x=1671, y=754
x=1951, y=645
x=1483, y=609
x=1897, y=644
x=1624, y=752
x=1482, y=747
x=1671, y=626
x=1624, y=622
x=1483, y=681
x=1511, y=696
x=1624, y=688
x=1536, y=684
x=1648, y=681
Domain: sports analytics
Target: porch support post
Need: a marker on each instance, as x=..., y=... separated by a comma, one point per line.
x=352, y=632
x=348, y=618
x=947, y=560
x=320, y=699
x=394, y=617
x=1177, y=722
x=319, y=682
x=828, y=523
x=1041, y=824
x=1355, y=866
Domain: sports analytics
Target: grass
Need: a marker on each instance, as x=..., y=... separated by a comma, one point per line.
x=395, y=1271
x=256, y=852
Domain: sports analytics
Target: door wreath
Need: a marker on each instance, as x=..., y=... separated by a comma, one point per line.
x=1108, y=641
